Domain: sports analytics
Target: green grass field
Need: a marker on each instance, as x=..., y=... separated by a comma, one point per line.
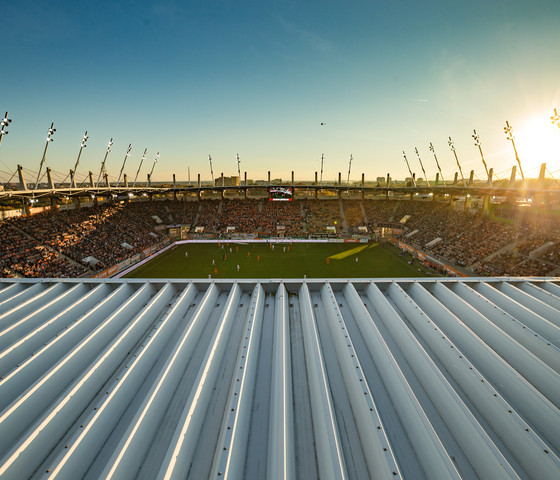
x=260, y=260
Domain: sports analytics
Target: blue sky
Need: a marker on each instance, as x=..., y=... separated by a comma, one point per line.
x=192, y=78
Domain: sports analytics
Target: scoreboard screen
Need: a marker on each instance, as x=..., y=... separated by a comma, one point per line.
x=276, y=194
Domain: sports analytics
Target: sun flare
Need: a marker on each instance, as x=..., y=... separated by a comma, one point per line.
x=537, y=142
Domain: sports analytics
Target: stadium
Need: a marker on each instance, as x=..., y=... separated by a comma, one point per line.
x=455, y=233
x=223, y=332
x=280, y=330
x=286, y=314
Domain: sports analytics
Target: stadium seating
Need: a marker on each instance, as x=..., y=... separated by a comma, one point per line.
x=55, y=244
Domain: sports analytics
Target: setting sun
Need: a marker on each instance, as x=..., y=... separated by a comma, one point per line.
x=538, y=142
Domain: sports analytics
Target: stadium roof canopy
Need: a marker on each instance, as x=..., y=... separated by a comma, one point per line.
x=431, y=378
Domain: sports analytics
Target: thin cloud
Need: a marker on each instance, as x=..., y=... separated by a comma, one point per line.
x=312, y=39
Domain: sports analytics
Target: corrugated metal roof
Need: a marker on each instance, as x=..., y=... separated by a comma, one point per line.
x=435, y=378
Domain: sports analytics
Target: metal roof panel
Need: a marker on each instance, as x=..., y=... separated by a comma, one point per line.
x=411, y=378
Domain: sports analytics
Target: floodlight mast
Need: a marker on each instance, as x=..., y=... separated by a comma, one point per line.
x=478, y=144
x=508, y=130
x=409, y=170
x=322, y=160
x=238, y=168
x=82, y=146
x=50, y=134
x=432, y=149
x=211, y=169
x=452, y=147
x=3, y=125
x=124, y=161
x=422, y=166
x=140, y=166
x=349, y=167
x=103, y=170
x=153, y=165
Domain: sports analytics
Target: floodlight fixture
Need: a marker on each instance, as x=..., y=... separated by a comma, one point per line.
x=432, y=149
x=50, y=133
x=508, y=130
x=84, y=140
x=3, y=125
x=477, y=143
x=555, y=118
x=476, y=137
x=452, y=147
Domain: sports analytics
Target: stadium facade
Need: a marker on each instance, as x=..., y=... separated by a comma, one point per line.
x=430, y=378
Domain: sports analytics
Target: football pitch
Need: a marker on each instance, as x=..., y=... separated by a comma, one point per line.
x=281, y=260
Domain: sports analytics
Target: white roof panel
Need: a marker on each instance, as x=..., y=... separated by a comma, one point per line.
x=411, y=378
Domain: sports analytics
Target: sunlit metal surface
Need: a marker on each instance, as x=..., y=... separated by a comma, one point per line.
x=431, y=378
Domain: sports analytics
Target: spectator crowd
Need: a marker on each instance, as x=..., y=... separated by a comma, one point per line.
x=57, y=243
